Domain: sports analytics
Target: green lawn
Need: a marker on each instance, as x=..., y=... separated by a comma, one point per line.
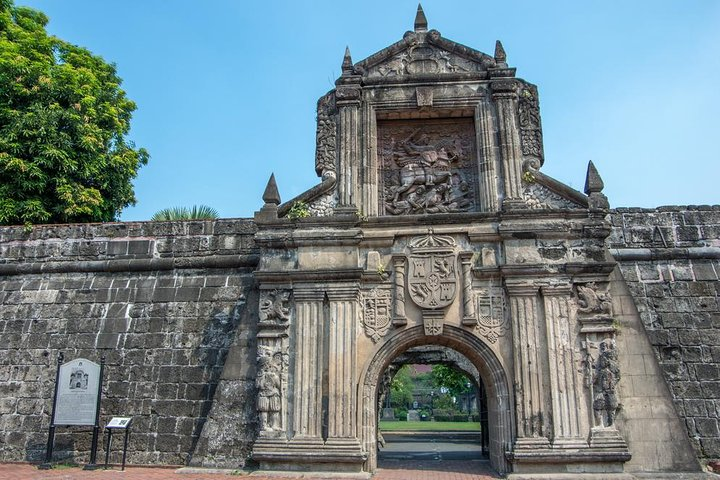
x=387, y=426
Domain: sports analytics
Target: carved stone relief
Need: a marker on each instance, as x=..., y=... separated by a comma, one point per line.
x=592, y=300
x=275, y=307
x=491, y=320
x=272, y=365
x=423, y=59
x=376, y=313
x=602, y=375
x=538, y=197
x=529, y=115
x=326, y=136
x=426, y=166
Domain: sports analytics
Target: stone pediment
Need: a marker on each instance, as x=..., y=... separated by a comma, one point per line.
x=423, y=53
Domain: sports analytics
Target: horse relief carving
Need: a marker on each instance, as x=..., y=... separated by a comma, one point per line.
x=426, y=168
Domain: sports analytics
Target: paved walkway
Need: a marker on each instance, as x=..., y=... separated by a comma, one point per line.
x=417, y=470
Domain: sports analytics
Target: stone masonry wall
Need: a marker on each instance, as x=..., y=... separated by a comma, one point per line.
x=670, y=258
x=161, y=301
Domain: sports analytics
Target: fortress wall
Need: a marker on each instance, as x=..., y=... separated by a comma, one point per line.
x=164, y=302
x=670, y=259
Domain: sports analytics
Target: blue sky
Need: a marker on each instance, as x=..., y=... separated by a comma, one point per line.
x=226, y=89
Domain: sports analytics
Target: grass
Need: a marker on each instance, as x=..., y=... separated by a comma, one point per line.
x=387, y=426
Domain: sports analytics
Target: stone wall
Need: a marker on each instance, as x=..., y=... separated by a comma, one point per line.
x=163, y=302
x=670, y=259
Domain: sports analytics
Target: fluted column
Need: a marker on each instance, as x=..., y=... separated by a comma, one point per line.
x=564, y=383
x=532, y=413
x=342, y=362
x=348, y=103
x=486, y=131
x=506, y=100
x=307, y=392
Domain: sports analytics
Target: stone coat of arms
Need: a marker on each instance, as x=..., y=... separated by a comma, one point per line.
x=432, y=278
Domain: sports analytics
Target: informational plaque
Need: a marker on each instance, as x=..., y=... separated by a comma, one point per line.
x=77, y=393
x=119, y=422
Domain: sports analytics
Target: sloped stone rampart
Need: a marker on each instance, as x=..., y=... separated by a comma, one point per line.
x=670, y=259
x=161, y=301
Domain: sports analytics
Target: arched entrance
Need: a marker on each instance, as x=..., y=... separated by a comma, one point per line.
x=487, y=363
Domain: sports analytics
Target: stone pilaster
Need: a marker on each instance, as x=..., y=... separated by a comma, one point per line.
x=469, y=317
x=566, y=389
x=342, y=362
x=506, y=100
x=487, y=152
x=307, y=392
x=399, y=318
x=348, y=103
x=530, y=388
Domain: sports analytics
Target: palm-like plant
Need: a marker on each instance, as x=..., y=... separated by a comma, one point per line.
x=197, y=212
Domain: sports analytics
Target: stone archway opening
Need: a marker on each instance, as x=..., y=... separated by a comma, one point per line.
x=432, y=406
x=491, y=375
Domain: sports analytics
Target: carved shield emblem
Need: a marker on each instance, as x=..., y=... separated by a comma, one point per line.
x=432, y=278
x=376, y=318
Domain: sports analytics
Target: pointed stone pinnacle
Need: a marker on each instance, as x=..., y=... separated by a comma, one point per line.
x=593, y=182
x=271, y=194
x=500, y=56
x=347, y=64
x=420, y=20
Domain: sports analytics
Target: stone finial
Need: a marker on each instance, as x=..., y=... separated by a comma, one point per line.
x=421, y=24
x=500, y=56
x=271, y=195
x=593, y=189
x=347, y=63
x=593, y=182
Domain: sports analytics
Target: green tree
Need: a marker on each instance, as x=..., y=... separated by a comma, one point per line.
x=197, y=212
x=64, y=156
x=450, y=378
x=401, y=388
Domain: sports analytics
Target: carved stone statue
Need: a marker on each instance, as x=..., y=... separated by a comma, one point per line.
x=606, y=378
x=269, y=390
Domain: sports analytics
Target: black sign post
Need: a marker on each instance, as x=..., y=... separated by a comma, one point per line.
x=51, y=433
x=117, y=423
x=96, y=428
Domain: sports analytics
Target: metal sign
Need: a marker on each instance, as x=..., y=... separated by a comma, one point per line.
x=78, y=390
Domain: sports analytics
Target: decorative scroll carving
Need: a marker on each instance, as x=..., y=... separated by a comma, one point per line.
x=326, y=136
x=274, y=307
x=271, y=365
x=376, y=313
x=432, y=278
x=538, y=197
x=530, y=129
x=591, y=300
x=427, y=166
x=424, y=59
x=491, y=321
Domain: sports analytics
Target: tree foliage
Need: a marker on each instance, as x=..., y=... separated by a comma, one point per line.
x=450, y=378
x=402, y=387
x=64, y=156
x=197, y=212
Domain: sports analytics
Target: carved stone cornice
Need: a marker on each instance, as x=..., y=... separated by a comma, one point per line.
x=557, y=289
x=522, y=289
x=339, y=293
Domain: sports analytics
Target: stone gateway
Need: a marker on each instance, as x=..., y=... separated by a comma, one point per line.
x=269, y=340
